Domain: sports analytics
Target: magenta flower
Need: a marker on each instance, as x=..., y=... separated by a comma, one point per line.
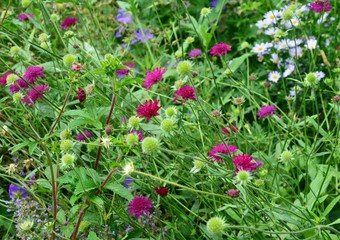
x=84, y=136
x=18, y=85
x=233, y=193
x=81, y=95
x=184, y=93
x=78, y=66
x=140, y=206
x=34, y=94
x=148, y=109
x=14, y=88
x=321, y=6
x=32, y=73
x=220, y=49
x=265, y=111
x=244, y=162
x=16, y=192
x=69, y=22
x=25, y=16
x=221, y=149
x=3, y=79
x=161, y=191
x=227, y=129
x=153, y=77
x=194, y=53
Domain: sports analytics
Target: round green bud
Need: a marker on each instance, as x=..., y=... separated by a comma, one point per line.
x=25, y=3
x=131, y=139
x=216, y=225
x=178, y=54
x=69, y=33
x=236, y=112
x=43, y=37
x=286, y=156
x=264, y=172
x=184, y=68
x=12, y=78
x=69, y=59
x=65, y=134
x=15, y=50
x=170, y=112
x=150, y=145
x=311, y=79
x=205, y=12
x=243, y=176
x=167, y=125
x=190, y=40
x=54, y=17
x=328, y=82
x=134, y=122
x=259, y=182
x=108, y=56
x=44, y=45
x=26, y=225
x=17, y=97
x=179, y=84
x=292, y=7
x=66, y=145
x=228, y=72
x=67, y=160
x=287, y=15
x=244, y=45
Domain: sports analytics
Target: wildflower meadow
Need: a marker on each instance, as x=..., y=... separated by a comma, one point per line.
x=169, y=119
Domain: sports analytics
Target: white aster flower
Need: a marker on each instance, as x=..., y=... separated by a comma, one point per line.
x=311, y=43
x=274, y=76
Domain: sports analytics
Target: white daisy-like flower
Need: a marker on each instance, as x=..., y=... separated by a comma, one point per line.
x=289, y=70
x=261, y=24
x=274, y=76
x=292, y=22
x=260, y=48
x=271, y=31
x=282, y=45
x=275, y=58
x=296, y=52
x=272, y=17
x=319, y=75
x=295, y=42
x=311, y=43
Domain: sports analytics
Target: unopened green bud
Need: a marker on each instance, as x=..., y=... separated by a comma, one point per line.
x=66, y=145
x=287, y=15
x=205, y=12
x=44, y=45
x=243, y=177
x=54, y=17
x=12, y=78
x=67, y=160
x=131, y=139
x=134, y=122
x=184, y=68
x=69, y=59
x=311, y=79
x=150, y=145
x=264, y=172
x=25, y=3
x=178, y=54
x=43, y=37
x=244, y=45
x=65, y=134
x=26, y=225
x=259, y=182
x=167, y=125
x=170, y=111
x=190, y=40
x=69, y=33
x=286, y=156
x=17, y=97
x=216, y=225
x=15, y=50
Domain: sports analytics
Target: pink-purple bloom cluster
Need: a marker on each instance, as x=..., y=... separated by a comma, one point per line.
x=265, y=111
x=184, y=93
x=3, y=79
x=321, y=6
x=140, y=206
x=124, y=71
x=220, y=49
x=14, y=192
x=148, y=109
x=194, y=53
x=84, y=136
x=25, y=16
x=221, y=149
x=34, y=94
x=32, y=73
x=68, y=22
x=246, y=162
x=153, y=77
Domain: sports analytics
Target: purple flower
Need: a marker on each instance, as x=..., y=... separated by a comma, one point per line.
x=34, y=94
x=245, y=162
x=124, y=71
x=184, y=93
x=153, y=77
x=265, y=111
x=16, y=192
x=214, y=3
x=142, y=36
x=140, y=206
x=124, y=17
x=84, y=136
x=25, y=16
x=120, y=31
x=194, y=53
x=69, y=22
x=221, y=149
x=127, y=182
x=32, y=73
x=320, y=6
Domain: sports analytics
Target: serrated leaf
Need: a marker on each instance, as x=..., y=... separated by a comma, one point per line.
x=120, y=190
x=85, y=186
x=97, y=200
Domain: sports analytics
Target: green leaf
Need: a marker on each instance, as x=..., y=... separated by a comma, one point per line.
x=61, y=217
x=97, y=200
x=92, y=236
x=331, y=206
x=236, y=62
x=85, y=186
x=120, y=190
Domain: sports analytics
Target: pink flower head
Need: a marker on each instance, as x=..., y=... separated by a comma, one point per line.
x=35, y=93
x=25, y=16
x=84, y=136
x=265, y=111
x=161, y=191
x=221, y=149
x=32, y=73
x=194, y=53
x=140, y=206
x=78, y=67
x=148, y=109
x=124, y=71
x=139, y=133
x=233, y=193
x=227, y=129
x=3, y=79
x=153, y=77
x=18, y=85
x=321, y=6
x=184, y=93
x=244, y=162
x=69, y=22
x=81, y=95
x=220, y=49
